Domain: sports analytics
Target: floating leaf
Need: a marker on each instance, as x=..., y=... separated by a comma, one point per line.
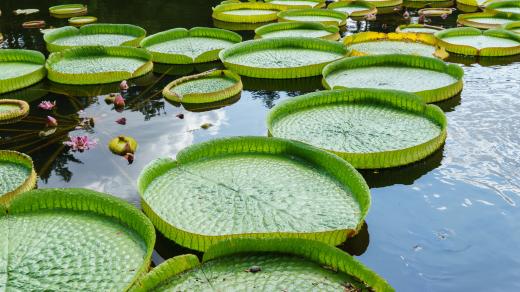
x=430, y=12
x=82, y=20
x=13, y=110
x=504, y=6
x=17, y=175
x=486, y=20
x=68, y=9
x=324, y=16
x=20, y=68
x=298, y=29
x=34, y=24
x=250, y=12
x=513, y=26
x=354, y=8
x=418, y=28
x=25, y=11
x=122, y=145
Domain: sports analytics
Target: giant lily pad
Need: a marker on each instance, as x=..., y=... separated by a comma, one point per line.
x=418, y=28
x=280, y=264
x=82, y=20
x=182, y=46
x=73, y=240
x=377, y=43
x=13, y=110
x=299, y=3
x=17, y=175
x=279, y=58
x=99, y=34
x=507, y=6
x=473, y=3
x=254, y=186
x=325, y=16
x=486, y=20
x=97, y=65
x=386, y=6
x=513, y=26
x=472, y=41
x=430, y=78
x=354, y=8
x=369, y=128
x=20, y=68
x=251, y=12
x=206, y=87
x=298, y=29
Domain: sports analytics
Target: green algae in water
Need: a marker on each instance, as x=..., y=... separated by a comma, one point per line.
x=97, y=64
x=357, y=128
x=95, y=39
x=251, y=193
x=282, y=58
x=249, y=12
x=190, y=46
x=5, y=108
x=311, y=33
x=205, y=85
x=387, y=77
x=393, y=47
x=12, y=175
x=16, y=69
x=312, y=18
x=481, y=41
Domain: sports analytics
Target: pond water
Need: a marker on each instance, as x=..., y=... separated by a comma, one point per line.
x=447, y=223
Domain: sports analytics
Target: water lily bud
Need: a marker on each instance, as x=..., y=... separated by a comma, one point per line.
x=51, y=122
x=119, y=101
x=123, y=85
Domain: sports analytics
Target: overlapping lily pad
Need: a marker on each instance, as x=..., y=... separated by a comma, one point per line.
x=299, y=3
x=513, y=26
x=430, y=78
x=196, y=45
x=376, y=43
x=354, y=8
x=98, y=65
x=486, y=20
x=73, y=240
x=20, y=68
x=369, y=128
x=207, y=87
x=325, y=16
x=386, y=6
x=472, y=41
x=298, y=29
x=17, y=175
x=280, y=58
x=99, y=34
x=13, y=110
x=253, y=186
x=251, y=12
x=507, y=6
x=418, y=28
x=272, y=264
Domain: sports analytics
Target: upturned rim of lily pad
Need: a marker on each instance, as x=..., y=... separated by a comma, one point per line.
x=340, y=16
x=385, y=4
x=68, y=9
x=319, y=3
x=370, y=7
x=333, y=30
x=25, y=80
x=418, y=25
x=491, y=6
x=14, y=115
x=431, y=12
x=25, y=160
x=82, y=20
x=219, y=12
x=208, y=97
x=179, y=33
x=512, y=26
x=466, y=19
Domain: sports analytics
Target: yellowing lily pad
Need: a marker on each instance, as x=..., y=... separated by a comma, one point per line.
x=13, y=110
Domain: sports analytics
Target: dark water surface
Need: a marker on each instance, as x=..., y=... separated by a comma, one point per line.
x=448, y=223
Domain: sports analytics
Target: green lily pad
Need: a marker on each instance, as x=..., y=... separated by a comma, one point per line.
x=82, y=20
x=472, y=41
x=98, y=65
x=418, y=28
x=265, y=264
x=353, y=8
x=99, y=34
x=247, y=12
x=369, y=128
x=68, y=9
x=73, y=240
x=255, y=186
x=298, y=29
x=299, y=3
x=12, y=110
x=486, y=20
x=513, y=27
x=206, y=87
x=182, y=46
x=429, y=78
x=385, y=4
x=507, y=6
x=280, y=58
x=325, y=16
x=16, y=175
x=20, y=68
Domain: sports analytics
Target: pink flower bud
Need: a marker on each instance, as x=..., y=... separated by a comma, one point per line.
x=123, y=85
x=51, y=122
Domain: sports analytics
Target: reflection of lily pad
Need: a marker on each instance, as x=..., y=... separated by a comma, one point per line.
x=353, y=8
x=99, y=34
x=486, y=20
x=254, y=186
x=20, y=68
x=418, y=28
x=74, y=239
x=182, y=46
x=204, y=88
x=250, y=12
x=369, y=128
x=377, y=43
x=98, y=65
x=472, y=41
x=430, y=78
x=279, y=264
x=16, y=174
x=298, y=29
x=13, y=110
x=279, y=58
x=507, y=6
x=325, y=16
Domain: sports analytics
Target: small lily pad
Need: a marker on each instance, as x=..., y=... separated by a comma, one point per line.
x=324, y=16
x=17, y=174
x=299, y=3
x=82, y=20
x=247, y=12
x=418, y=28
x=472, y=41
x=20, y=68
x=122, y=145
x=486, y=20
x=13, y=110
x=431, y=12
x=353, y=8
x=298, y=29
x=68, y=9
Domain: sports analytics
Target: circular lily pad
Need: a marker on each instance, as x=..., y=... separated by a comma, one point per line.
x=82, y=20
x=68, y=10
x=472, y=41
x=247, y=12
x=98, y=65
x=298, y=29
x=280, y=58
x=353, y=8
x=472, y=3
x=99, y=34
x=205, y=87
x=73, y=240
x=324, y=16
x=418, y=28
x=430, y=78
x=430, y=12
x=182, y=46
x=377, y=43
x=385, y=6
x=13, y=110
x=369, y=128
x=254, y=186
x=122, y=145
x=273, y=264
x=20, y=68
x=17, y=174
x=507, y=6
x=513, y=27
x=299, y=3
x=486, y=20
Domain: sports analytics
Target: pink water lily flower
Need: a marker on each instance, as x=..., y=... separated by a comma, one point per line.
x=47, y=105
x=119, y=101
x=123, y=85
x=80, y=143
x=51, y=122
